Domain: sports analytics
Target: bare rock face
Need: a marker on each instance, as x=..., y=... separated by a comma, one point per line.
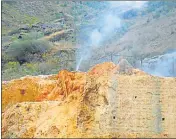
x=99, y=103
x=67, y=83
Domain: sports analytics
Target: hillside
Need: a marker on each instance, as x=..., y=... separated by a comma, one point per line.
x=38, y=35
x=153, y=36
x=88, y=69
x=54, y=22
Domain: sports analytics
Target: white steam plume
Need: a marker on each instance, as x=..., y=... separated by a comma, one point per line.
x=106, y=27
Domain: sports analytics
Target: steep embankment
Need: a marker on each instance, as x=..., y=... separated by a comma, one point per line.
x=108, y=101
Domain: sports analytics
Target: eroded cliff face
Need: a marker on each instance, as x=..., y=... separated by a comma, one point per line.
x=104, y=102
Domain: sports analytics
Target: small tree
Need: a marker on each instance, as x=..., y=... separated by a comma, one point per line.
x=30, y=44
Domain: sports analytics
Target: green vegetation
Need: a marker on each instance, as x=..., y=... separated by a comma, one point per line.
x=64, y=4
x=49, y=65
x=13, y=70
x=34, y=33
x=25, y=49
x=30, y=20
x=25, y=56
x=30, y=55
x=59, y=15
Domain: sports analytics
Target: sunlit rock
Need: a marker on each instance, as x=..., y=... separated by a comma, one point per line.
x=99, y=103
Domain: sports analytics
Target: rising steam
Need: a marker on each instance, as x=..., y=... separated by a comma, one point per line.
x=163, y=65
x=105, y=29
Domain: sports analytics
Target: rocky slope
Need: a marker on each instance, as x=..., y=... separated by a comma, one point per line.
x=107, y=101
x=147, y=37
x=67, y=25
x=153, y=36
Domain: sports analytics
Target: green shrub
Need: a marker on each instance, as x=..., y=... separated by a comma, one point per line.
x=33, y=36
x=27, y=48
x=4, y=58
x=14, y=38
x=49, y=66
x=64, y=4
x=13, y=70
x=28, y=69
x=58, y=15
x=10, y=71
x=12, y=65
x=30, y=20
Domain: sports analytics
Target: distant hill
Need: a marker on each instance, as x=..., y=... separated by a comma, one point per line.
x=67, y=25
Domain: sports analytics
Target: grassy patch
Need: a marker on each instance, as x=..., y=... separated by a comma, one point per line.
x=25, y=49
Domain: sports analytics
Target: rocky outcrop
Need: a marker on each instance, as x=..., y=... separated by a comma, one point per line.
x=100, y=103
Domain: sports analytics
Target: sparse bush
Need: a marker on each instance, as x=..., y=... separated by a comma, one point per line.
x=10, y=70
x=30, y=66
x=30, y=20
x=13, y=65
x=46, y=67
x=59, y=15
x=64, y=4
x=51, y=65
x=13, y=70
x=32, y=36
x=25, y=49
x=4, y=58
x=14, y=38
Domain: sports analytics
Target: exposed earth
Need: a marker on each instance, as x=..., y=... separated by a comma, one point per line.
x=107, y=101
x=88, y=69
